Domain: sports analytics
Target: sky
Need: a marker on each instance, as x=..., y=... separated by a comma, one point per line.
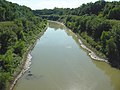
x=50, y=4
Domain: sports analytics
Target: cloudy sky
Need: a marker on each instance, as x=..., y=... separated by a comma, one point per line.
x=50, y=4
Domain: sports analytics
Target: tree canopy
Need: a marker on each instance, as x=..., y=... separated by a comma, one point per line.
x=19, y=28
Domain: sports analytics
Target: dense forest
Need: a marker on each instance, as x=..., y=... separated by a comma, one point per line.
x=97, y=23
x=18, y=30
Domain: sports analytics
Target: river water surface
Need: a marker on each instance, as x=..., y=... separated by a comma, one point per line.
x=59, y=63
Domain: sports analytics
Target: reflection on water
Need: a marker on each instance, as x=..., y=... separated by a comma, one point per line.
x=59, y=63
x=71, y=34
x=56, y=26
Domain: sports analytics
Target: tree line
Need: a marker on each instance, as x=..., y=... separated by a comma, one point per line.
x=109, y=10
x=18, y=30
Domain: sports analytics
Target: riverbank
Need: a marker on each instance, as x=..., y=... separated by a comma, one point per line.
x=91, y=53
x=26, y=61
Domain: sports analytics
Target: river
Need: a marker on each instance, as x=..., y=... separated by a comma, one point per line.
x=59, y=63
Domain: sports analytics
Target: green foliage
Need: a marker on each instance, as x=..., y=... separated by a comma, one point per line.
x=114, y=13
x=100, y=33
x=91, y=8
x=10, y=11
x=110, y=10
x=104, y=38
x=55, y=11
x=2, y=14
x=15, y=37
x=4, y=77
x=19, y=47
x=7, y=36
x=18, y=31
x=112, y=51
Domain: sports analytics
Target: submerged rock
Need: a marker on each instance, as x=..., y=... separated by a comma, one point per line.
x=29, y=73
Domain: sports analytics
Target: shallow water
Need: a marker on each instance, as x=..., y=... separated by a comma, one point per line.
x=59, y=63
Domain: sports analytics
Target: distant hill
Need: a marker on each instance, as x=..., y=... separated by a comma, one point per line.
x=110, y=10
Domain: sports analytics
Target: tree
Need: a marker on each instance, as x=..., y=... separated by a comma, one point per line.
x=112, y=52
x=4, y=78
x=19, y=47
x=114, y=13
x=2, y=14
x=8, y=38
x=104, y=37
x=8, y=61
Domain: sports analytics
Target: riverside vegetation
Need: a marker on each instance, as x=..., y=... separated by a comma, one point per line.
x=19, y=28
x=97, y=23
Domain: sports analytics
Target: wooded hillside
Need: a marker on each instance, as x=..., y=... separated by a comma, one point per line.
x=18, y=30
